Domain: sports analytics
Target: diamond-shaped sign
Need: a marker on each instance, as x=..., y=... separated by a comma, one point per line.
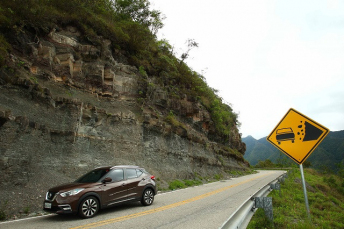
x=297, y=136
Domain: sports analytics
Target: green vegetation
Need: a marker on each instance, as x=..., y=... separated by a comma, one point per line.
x=131, y=26
x=4, y=48
x=280, y=164
x=27, y=210
x=179, y=184
x=189, y=183
x=176, y=184
x=3, y=214
x=198, y=179
x=326, y=202
x=170, y=118
x=239, y=173
x=265, y=164
x=218, y=176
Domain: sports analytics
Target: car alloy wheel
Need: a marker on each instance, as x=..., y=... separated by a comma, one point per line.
x=147, y=197
x=88, y=207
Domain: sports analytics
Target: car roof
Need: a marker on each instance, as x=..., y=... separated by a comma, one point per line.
x=125, y=166
x=118, y=166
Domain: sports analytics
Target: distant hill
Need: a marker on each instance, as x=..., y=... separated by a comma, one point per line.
x=326, y=155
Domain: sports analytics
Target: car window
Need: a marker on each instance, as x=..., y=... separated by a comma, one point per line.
x=93, y=176
x=139, y=172
x=131, y=173
x=116, y=175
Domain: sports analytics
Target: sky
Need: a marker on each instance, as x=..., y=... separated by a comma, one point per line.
x=264, y=57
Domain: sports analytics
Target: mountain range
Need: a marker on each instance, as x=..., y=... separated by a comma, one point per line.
x=327, y=155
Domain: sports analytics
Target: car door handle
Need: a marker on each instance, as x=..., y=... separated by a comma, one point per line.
x=123, y=184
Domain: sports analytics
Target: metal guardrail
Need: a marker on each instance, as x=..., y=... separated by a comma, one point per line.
x=242, y=216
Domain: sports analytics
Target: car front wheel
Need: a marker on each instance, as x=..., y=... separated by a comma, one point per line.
x=88, y=207
x=147, y=197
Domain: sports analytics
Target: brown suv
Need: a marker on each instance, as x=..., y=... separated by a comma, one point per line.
x=100, y=188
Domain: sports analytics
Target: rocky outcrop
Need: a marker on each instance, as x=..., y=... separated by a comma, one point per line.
x=67, y=106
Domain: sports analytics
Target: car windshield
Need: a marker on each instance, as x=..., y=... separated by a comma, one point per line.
x=93, y=176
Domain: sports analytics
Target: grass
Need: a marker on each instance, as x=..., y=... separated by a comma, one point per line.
x=171, y=118
x=3, y=206
x=3, y=215
x=199, y=180
x=178, y=184
x=326, y=203
x=27, y=210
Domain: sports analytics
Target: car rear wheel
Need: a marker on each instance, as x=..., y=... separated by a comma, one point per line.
x=88, y=207
x=147, y=197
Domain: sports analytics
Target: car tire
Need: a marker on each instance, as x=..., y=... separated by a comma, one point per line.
x=88, y=207
x=147, y=197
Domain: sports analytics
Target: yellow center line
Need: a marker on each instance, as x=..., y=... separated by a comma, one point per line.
x=163, y=208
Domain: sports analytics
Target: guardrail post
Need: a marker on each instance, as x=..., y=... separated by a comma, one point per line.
x=266, y=204
x=281, y=179
x=276, y=186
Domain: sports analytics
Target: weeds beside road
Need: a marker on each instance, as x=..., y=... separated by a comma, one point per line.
x=326, y=202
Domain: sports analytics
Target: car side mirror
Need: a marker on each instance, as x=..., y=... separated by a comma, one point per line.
x=107, y=180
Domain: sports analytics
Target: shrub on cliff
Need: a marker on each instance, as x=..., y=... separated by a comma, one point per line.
x=4, y=49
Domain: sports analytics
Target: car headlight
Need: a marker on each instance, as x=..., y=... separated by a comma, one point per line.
x=71, y=192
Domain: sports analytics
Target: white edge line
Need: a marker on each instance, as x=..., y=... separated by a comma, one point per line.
x=33, y=217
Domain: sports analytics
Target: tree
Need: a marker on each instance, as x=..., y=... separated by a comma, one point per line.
x=340, y=169
x=307, y=164
x=265, y=164
x=138, y=11
x=191, y=43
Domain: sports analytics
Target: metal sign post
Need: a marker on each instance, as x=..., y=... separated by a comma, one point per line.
x=305, y=191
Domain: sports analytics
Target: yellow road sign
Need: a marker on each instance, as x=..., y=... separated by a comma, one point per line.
x=297, y=136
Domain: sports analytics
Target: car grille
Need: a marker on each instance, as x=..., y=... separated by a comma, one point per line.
x=50, y=196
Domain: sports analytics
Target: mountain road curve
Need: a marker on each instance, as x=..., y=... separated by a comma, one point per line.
x=204, y=206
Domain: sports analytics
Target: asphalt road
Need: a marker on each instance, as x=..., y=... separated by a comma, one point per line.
x=205, y=206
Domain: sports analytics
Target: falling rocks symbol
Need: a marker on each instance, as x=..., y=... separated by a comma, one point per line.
x=297, y=136
x=311, y=132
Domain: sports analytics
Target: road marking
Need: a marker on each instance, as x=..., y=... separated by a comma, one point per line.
x=17, y=220
x=122, y=218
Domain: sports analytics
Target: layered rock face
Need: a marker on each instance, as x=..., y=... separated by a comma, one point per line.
x=67, y=107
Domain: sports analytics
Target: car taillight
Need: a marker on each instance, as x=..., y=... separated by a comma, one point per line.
x=152, y=177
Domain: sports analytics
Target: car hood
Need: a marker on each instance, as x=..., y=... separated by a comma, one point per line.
x=70, y=186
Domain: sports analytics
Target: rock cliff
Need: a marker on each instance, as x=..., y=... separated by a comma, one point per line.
x=67, y=106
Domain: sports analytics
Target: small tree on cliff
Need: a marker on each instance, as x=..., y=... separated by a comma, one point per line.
x=191, y=43
x=138, y=11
